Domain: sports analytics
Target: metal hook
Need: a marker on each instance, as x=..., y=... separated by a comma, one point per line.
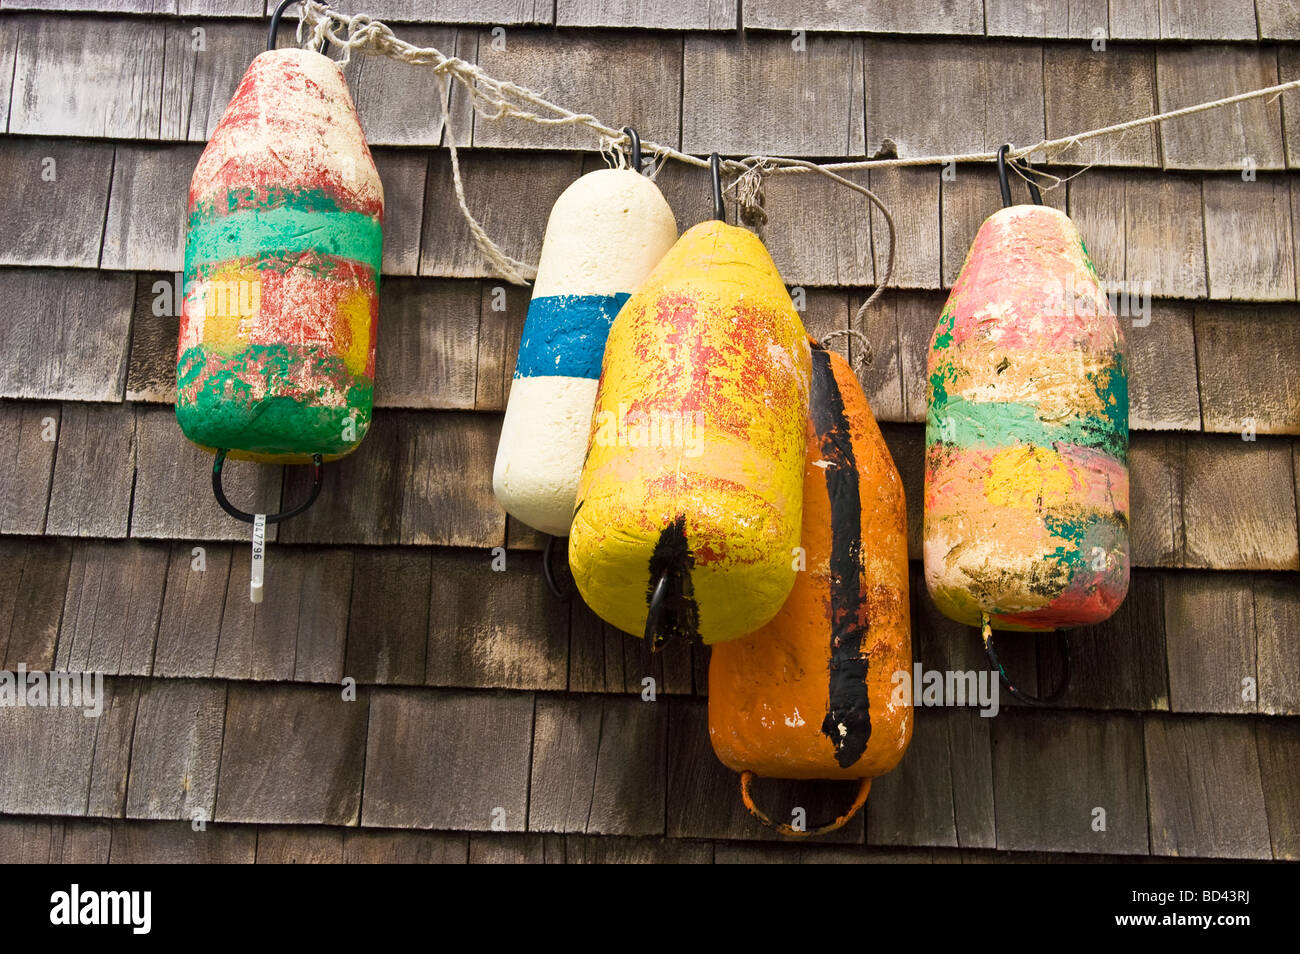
x=549, y=575
x=715, y=170
x=1025, y=697
x=636, y=147
x=1004, y=184
x=654, y=617
x=275, y=27
x=238, y=514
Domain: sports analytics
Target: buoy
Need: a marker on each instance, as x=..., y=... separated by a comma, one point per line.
x=812, y=693
x=1026, y=481
x=605, y=234
x=690, y=498
x=276, y=358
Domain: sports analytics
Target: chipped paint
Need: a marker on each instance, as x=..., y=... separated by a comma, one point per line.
x=276, y=357
x=1026, y=482
x=710, y=336
x=835, y=645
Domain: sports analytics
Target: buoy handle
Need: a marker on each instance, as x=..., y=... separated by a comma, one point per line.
x=1004, y=183
x=992, y=654
x=217, y=491
x=548, y=573
x=275, y=26
x=746, y=796
x=634, y=152
x=715, y=173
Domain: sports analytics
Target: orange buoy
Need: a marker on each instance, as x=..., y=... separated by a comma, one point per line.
x=812, y=693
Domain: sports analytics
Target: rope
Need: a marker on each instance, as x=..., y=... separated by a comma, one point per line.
x=495, y=99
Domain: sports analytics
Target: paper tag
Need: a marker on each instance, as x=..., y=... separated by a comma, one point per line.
x=259, y=558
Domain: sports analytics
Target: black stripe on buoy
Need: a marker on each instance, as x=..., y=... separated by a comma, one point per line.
x=670, y=598
x=848, y=717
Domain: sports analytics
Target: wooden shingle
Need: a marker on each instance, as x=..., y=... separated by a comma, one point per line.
x=403, y=173
x=1244, y=386
x=626, y=80
x=146, y=207
x=448, y=760
x=1162, y=350
x=1088, y=89
x=1238, y=505
x=1182, y=19
x=1074, y=19
x=498, y=629
x=94, y=472
x=672, y=15
x=1226, y=137
x=68, y=335
x=508, y=12
x=173, y=485
x=511, y=200
x=496, y=849
x=924, y=16
x=388, y=622
x=178, y=843
x=203, y=66
x=8, y=49
x=33, y=579
x=1278, y=742
x=1276, y=621
x=1210, y=631
x=1278, y=19
x=28, y=458
x=58, y=191
x=299, y=846
x=1206, y=793
x=586, y=850
x=1146, y=229
x=1121, y=663
x=754, y=96
x=942, y=791
x=189, y=629
x=604, y=659
x=297, y=633
x=53, y=765
x=1248, y=238
x=502, y=311
x=1052, y=770
x=155, y=329
x=704, y=795
x=112, y=607
x=104, y=82
x=292, y=755
x=599, y=766
x=428, y=343
x=176, y=750
x=385, y=90
x=819, y=233
x=938, y=97
x=912, y=196
x=404, y=847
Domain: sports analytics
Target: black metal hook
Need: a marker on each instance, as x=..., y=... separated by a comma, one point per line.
x=635, y=151
x=275, y=26
x=1025, y=697
x=549, y=575
x=228, y=507
x=654, y=617
x=715, y=170
x=1004, y=184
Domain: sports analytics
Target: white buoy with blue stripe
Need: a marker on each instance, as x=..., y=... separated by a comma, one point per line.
x=607, y=231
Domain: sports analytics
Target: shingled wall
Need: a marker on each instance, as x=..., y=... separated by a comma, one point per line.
x=479, y=697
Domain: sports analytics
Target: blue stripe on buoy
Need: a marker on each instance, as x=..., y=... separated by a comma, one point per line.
x=565, y=335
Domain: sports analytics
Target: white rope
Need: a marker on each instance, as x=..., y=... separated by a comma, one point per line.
x=495, y=99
